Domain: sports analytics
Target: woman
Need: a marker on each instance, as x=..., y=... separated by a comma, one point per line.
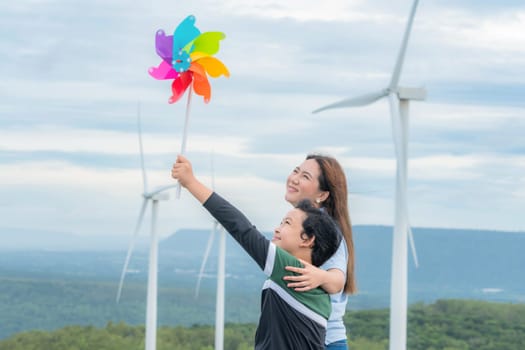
x=322, y=180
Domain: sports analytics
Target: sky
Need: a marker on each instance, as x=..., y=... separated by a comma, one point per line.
x=74, y=72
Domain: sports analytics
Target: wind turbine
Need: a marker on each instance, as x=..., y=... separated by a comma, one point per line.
x=221, y=264
x=399, y=98
x=155, y=195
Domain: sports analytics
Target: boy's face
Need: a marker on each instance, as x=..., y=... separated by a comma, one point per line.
x=288, y=234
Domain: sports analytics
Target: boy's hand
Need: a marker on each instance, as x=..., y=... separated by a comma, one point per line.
x=182, y=171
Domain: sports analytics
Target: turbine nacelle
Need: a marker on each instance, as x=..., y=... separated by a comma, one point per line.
x=403, y=93
x=159, y=193
x=414, y=94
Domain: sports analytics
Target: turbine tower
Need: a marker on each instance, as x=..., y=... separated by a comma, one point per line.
x=399, y=98
x=155, y=195
x=221, y=264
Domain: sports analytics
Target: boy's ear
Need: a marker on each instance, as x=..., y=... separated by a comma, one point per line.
x=307, y=242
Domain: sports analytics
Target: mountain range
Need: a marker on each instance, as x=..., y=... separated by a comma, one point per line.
x=453, y=263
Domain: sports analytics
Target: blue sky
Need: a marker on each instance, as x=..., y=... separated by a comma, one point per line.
x=72, y=73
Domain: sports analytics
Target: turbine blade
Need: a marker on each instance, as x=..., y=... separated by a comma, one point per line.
x=362, y=100
x=131, y=246
x=139, y=130
x=206, y=254
x=402, y=50
x=398, y=135
x=412, y=246
x=396, y=129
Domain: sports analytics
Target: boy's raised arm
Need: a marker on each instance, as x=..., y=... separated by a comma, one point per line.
x=254, y=242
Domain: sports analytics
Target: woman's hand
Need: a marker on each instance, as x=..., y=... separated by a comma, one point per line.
x=311, y=277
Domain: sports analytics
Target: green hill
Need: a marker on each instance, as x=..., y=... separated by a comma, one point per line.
x=443, y=325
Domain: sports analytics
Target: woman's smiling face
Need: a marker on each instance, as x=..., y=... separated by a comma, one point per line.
x=303, y=183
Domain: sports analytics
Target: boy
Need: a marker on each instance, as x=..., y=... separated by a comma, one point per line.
x=289, y=319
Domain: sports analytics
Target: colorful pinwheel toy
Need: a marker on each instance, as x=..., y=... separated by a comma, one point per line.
x=187, y=59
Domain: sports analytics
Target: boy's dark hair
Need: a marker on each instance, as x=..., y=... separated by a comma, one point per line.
x=320, y=225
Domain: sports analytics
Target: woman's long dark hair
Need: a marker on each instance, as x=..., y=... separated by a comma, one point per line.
x=332, y=179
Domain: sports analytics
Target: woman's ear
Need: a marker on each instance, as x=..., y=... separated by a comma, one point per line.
x=323, y=196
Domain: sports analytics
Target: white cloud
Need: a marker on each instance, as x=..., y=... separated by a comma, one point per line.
x=307, y=10
x=449, y=167
x=499, y=33
x=110, y=142
x=464, y=117
x=61, y=174
x=457, y=44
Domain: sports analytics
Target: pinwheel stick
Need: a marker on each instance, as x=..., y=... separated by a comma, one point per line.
x=185, y=130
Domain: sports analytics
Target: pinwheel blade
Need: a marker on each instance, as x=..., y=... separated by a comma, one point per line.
x=208, y=42
x=201, y=85
x=206, y=254
x=164, y=71
x=164, y=45
x=179, y=86
x=131, y=247
x=212, y=66
x=185, y=33
x=358, y=101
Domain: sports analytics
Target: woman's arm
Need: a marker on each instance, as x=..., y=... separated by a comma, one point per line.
x=311, y=277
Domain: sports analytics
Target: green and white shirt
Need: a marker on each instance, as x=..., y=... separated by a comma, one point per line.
x=289, y=319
